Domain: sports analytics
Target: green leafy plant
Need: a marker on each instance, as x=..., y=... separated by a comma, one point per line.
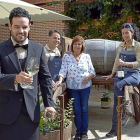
x=59, y=2
x=106, y=94
x=49, y=124
x=68, y=113
x=110, y=20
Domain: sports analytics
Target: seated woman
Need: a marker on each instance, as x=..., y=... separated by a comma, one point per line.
x=128, y=58
x=78, y=70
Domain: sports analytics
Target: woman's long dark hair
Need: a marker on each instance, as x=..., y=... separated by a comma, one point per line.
x=132, y=27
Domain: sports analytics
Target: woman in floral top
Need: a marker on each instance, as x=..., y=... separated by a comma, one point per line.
x=78, y=70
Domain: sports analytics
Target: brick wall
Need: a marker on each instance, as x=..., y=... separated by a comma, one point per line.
x=39, y=30
x=4, y=33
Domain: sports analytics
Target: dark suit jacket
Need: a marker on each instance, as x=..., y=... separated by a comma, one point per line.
x=10, y=99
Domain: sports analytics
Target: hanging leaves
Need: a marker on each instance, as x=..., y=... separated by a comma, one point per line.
x=110, y=19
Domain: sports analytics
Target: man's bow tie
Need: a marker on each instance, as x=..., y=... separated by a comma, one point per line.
x=23, y=46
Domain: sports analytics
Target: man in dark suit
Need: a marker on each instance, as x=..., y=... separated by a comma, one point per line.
x=19, y=108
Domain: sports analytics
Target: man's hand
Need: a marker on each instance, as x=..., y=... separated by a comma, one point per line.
x=58, y=83
x=23, y=77
x=53, y=84
x=67, y=52
x=51, y=110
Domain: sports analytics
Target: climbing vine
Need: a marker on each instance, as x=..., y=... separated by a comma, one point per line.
x=109, y=20
x=58, y=2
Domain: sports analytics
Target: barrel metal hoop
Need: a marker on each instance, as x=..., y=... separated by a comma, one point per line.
x=86, y=44
x=70, y=47
x=117, y=47
x=105, y=56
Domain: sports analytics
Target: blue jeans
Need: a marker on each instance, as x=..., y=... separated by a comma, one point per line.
x=130, y=79
x=80, y=106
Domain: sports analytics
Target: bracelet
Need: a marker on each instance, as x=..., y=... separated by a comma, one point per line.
x=125, y=64
x=112, y=75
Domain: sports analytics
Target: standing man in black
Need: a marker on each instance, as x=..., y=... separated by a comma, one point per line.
x=19, y=108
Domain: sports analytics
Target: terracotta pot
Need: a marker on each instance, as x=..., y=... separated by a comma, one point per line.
x=105, y=103
x=55, y=135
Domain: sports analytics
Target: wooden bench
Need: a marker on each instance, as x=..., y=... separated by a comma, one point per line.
x=98, y=80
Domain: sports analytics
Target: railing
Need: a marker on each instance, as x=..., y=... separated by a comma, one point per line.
x=59, y=92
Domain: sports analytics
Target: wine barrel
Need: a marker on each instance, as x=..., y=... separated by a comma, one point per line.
x=103, y=53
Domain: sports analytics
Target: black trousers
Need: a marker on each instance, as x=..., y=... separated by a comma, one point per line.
x=22, y=129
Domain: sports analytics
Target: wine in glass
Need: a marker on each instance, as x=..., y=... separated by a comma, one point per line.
x=32, y=68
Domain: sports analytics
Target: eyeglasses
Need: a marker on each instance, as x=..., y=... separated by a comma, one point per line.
x=75, y=44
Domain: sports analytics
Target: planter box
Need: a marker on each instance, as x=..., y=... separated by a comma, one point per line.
x=55, y=135
x=105, y=103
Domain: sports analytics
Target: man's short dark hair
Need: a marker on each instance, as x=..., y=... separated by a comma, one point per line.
x=54, y=31
x=19, y=12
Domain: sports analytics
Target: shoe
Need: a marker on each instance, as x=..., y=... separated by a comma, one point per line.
x=125, y=121
x=77, y=136
x=112, y=133
x=84, y=136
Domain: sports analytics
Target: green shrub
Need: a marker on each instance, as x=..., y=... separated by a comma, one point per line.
x=49, y=124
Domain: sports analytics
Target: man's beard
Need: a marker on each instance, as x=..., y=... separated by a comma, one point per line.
x=15, y=38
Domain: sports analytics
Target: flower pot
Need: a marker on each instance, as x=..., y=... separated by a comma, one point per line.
x=55, y=135
x=105, y=103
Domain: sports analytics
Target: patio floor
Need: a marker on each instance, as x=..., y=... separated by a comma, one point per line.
x=100, y=120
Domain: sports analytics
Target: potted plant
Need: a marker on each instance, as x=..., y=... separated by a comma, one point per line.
x=105, y=99
x=50, y=128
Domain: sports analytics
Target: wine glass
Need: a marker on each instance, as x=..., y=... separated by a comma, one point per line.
x=32, y=68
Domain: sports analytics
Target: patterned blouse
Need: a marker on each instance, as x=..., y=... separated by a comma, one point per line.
x=75, y=72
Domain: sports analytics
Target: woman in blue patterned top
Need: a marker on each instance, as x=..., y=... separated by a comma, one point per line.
x=78, y=70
